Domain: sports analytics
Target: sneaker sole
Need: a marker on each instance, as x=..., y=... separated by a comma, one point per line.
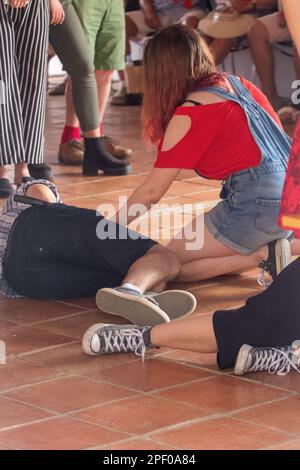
x=282, y=254
x=241, y=360
x=138, y=311
x=88, y=336
x=176, y=303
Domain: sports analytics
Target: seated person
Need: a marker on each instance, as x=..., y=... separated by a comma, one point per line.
x=265, y=31
x=259, y=336
x=221, y=47
x=49, y=250
x=152, y=16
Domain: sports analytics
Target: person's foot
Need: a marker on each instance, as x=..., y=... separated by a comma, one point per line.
x=278, y=361
x=279, y=258
x=103, y=339
x=120, y=97
x=175, y=303
x=115, y=149
x=96, y=157
x=6, y=188
x=40, y=171
x=71, y=153
x=130, y=304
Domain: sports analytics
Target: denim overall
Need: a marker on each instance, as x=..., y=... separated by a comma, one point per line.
x=247, y=217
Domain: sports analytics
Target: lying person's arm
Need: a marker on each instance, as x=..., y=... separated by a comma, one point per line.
x=42, y=192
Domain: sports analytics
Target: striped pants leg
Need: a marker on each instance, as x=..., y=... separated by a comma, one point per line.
x=23, y=67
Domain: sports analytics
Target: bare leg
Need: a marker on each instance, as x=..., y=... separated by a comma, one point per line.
x=214, y=259
x=3, y=171
x=263, y=58
x=220, y=49
x=104, y=78
x=191, y=21
x=157, y=266
x=194, y=334
x=71, y=118
x=295, y=247
x=21, y=171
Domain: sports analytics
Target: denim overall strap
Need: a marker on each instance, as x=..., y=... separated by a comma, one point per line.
x=273, y=142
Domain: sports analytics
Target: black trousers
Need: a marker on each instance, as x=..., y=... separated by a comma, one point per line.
x=54, y=252
x=271, y=318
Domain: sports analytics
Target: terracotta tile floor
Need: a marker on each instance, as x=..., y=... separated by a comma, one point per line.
x=53, y=396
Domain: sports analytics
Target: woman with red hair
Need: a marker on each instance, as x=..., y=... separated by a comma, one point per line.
x=225, y=129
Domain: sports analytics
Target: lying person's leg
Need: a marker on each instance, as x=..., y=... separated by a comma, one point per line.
x=269, y=323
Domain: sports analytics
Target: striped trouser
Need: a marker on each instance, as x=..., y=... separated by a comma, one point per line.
x=23, y=67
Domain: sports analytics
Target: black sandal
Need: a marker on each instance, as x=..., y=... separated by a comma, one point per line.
x=6, y=188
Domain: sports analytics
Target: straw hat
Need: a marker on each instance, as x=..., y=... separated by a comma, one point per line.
x=225, y=23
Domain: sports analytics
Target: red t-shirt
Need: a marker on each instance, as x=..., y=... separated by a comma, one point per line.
x=219, y=142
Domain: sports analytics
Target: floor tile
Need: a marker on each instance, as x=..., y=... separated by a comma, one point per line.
x=14, y=413
x=69, y=394
x=18, y=373
x=25, y=311
x=58, y=434
x=71, y=358
x=151, y=375
x=282, y=415
x=22, y=339
x=140, y=415
x=221, y=394
x=221, y=434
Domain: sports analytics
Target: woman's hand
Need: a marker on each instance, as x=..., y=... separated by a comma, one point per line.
x=18, y=3
x=57, y=12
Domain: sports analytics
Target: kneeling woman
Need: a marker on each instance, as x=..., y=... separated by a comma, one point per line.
x=225, y=129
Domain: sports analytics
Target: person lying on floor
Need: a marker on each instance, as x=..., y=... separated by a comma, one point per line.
x=262, y=335
x=49, y=250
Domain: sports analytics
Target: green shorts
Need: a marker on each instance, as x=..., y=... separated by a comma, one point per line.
x=104, y=24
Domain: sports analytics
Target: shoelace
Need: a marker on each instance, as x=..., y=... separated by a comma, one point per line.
x=278, y=362
x=264, y=268
x=126, y=340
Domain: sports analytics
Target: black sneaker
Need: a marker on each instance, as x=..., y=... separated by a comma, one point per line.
x=101, y=339
x=279, y=258
x=278, y=361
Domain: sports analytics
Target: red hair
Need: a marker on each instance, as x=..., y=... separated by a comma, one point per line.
x=176, y=61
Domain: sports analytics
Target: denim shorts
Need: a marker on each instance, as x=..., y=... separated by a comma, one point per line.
x=247, y=217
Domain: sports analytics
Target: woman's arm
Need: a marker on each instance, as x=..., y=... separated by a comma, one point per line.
x=149, y=193
x=291, y=10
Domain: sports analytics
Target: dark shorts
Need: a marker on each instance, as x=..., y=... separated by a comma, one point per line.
x=271, y=318
x=54, y=252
